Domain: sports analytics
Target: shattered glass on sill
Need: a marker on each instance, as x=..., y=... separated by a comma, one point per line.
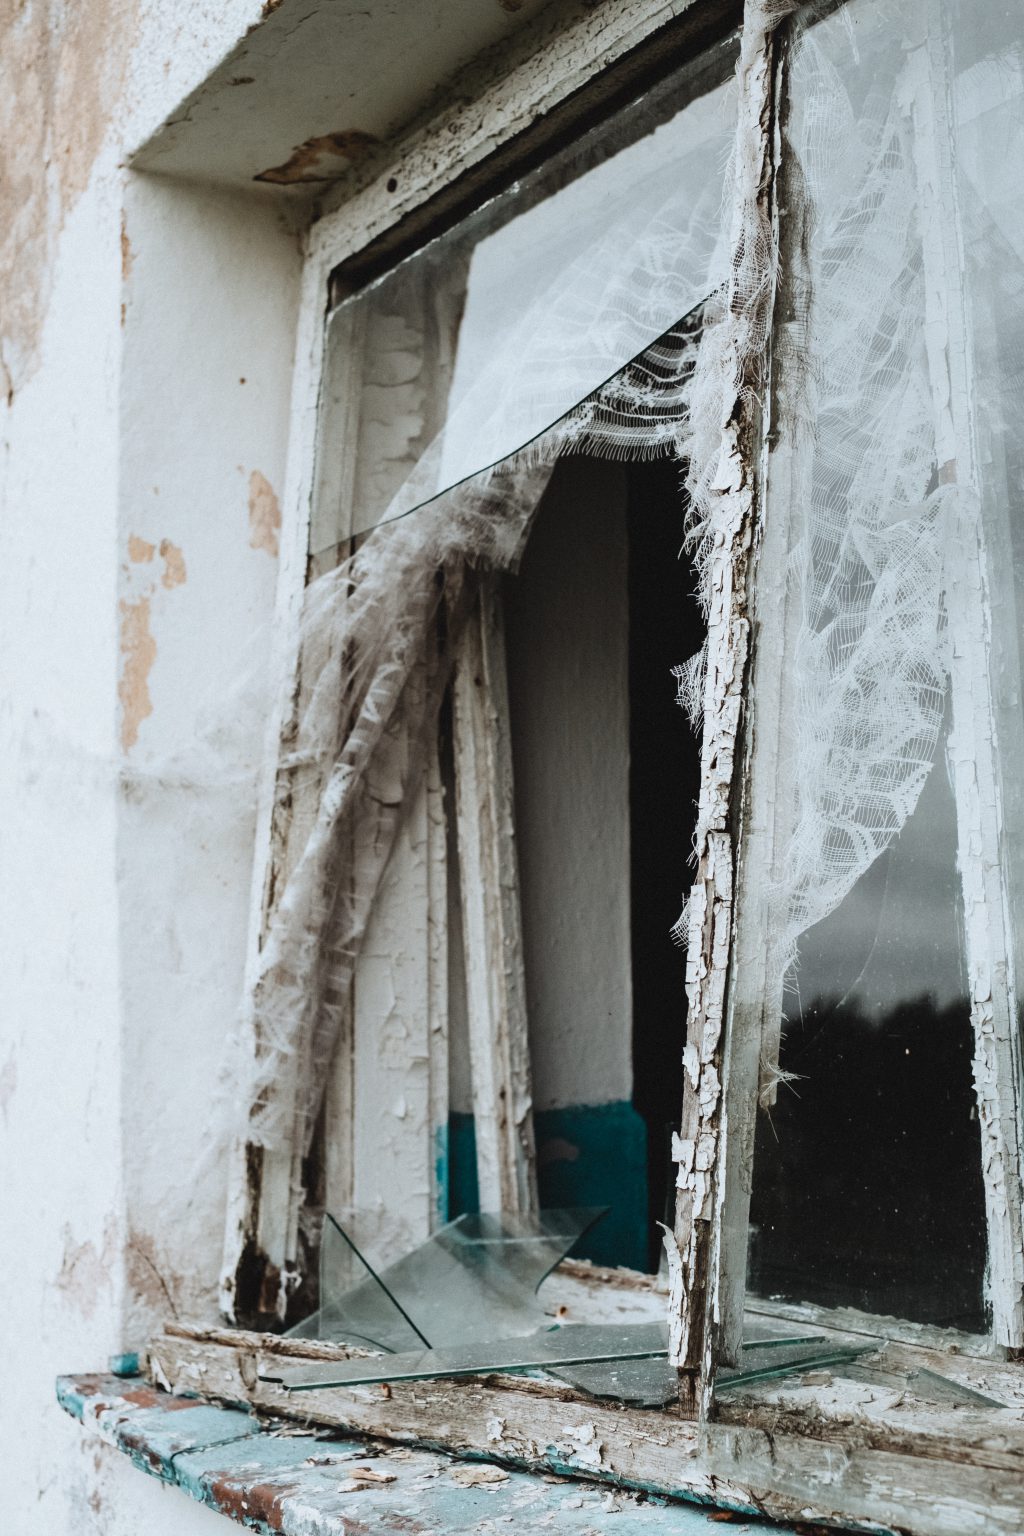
x=475, y=1279
x=466, y=1303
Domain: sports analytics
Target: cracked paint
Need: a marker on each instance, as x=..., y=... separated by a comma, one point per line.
x=70, y=64
x=174, y=573
x=322, y=158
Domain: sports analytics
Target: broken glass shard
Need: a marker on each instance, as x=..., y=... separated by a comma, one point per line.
x=474, y=1280
x=575, y=1343
x=651, y=1383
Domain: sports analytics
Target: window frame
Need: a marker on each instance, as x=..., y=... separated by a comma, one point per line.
x=520, y=113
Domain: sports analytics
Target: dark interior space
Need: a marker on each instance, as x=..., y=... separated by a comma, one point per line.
x=666, y=627
x=867, y=1187
x=869, y=1190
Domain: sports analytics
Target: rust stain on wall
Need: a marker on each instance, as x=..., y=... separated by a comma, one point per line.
x=67, y=66
x=321, y=158
x=174, y=564
x=139, y=550
x=264, y=514
x=139, y=651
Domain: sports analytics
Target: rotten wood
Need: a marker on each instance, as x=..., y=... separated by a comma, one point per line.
x=491, y=918
x=695, y=1250
x=845, y=1451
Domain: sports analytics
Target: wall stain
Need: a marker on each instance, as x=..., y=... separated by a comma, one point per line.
x=149, y=1278
x=264, y=515
x=174, y=564
x=8, y=1082
x=139, y=651
x=322, y=158
x=85, y=1269
x=71, y=64
x=127, y=257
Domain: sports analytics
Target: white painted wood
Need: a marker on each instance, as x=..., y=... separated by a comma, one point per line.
x=706, y=1165
x=260, y=1211
x=503, y=95
x=400, y=1071
x=972, y=740
x=753, y=1026
x=842, y=1451
x=492, y=924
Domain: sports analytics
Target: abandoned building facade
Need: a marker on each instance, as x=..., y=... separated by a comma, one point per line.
x=512, y=728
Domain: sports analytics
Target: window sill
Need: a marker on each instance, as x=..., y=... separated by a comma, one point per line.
x=275, y=1479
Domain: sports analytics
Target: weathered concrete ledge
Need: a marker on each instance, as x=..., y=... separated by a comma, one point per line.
x=278, y=1479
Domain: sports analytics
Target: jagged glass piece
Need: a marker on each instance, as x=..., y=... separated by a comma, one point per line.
x=651, y=1383
x=539, y=1350
x=474, y=1280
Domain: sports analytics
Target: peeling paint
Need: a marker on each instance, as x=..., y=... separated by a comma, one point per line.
x=264, y=514
x=71, y=63
x=322, y=158
x=174, y=573
x=140, y=550
x=138, y=648
x=127, y=257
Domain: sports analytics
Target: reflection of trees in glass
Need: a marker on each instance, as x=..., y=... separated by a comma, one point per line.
x=867, y=1182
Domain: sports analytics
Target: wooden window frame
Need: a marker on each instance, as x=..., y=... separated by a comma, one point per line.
x=520, y=113
x=561, y=83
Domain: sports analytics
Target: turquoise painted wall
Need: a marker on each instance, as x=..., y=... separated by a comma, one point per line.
x=587, y=1154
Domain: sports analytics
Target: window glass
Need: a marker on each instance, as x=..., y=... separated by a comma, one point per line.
x=894, y=486
x=492, y=332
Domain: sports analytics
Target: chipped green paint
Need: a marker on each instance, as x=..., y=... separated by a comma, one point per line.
x=287, y=1484
x=587, y=1154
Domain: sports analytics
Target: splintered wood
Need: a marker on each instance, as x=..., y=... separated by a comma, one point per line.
x=860, y=1451
x=693, y=1251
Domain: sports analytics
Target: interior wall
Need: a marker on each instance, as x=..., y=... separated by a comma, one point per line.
x=567, y=630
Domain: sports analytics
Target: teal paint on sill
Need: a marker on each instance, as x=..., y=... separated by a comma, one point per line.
x=587, y=1154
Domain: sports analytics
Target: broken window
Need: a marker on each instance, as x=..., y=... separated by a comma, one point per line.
x=424, y=978
x=477, y=823
x=873, y=1009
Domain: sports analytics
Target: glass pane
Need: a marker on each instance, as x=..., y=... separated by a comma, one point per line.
x=485, y=337
x=885, y=780
x=550, y=1346
x=475, y=1279
x=868, y=1188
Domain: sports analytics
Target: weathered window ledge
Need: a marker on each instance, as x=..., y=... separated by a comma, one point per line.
x=280, y=1479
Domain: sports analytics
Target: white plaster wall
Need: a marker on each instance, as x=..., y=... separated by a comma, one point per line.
x=568, y=658
x=210, y=319
x=134, y=587
x=122, y=924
